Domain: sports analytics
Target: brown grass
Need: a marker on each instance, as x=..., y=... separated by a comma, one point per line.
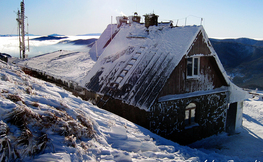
x=87, y=123
x=14, y=98
x=20, y=116
x=35, y=104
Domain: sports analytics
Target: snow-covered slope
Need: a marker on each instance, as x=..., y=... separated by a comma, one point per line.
x=42, y=122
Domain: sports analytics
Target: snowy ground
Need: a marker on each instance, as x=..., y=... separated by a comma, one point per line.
x=76, y=130
x=248, y=143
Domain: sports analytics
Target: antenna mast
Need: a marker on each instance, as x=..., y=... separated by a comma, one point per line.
x=21, y=29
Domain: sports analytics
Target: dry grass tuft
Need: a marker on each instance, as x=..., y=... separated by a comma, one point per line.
x=4, y=91
x=84, y=146
x=35, y=104
x=20, y=116
x=71, y=141
x=7, y=153
x=14, y=97
x=31, y=145
x=87, y=123
x=3, y=128
x=29, y=90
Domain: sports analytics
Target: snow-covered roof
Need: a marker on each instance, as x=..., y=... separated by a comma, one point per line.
x=62, y=64
x=98, y=48
x=136, y=63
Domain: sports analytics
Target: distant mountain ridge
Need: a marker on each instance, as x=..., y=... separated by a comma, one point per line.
x=49, y=37
x=15, y=35
x=244, y=41
x=243, y=60
x=88, y=42
x=90, y=34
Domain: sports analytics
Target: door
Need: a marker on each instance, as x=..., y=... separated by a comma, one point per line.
x=231, y=118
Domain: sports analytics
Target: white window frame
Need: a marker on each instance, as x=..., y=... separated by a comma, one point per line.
x=193, y=66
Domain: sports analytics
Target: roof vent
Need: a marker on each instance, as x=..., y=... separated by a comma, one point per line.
x=134, y=18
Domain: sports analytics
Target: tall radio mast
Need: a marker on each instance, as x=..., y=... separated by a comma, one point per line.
x=21, y=30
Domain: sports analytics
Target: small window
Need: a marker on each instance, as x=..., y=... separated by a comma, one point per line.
x=193, y=66
x=190, y=114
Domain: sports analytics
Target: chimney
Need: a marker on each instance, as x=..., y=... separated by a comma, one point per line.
x=151, y=20
x=121, y=20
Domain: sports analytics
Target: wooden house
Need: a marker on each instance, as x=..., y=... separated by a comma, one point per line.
x=167, y=79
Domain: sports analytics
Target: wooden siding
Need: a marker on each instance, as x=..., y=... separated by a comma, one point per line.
x=199, y=46
x=210, y=75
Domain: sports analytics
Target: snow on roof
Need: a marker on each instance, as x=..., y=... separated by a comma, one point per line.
x=137, y=63
x=98, y=47
x=62, y=64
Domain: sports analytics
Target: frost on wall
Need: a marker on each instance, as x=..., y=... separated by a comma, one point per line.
x=167, y=118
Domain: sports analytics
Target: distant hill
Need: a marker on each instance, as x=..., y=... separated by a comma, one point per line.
x=49, y=37
x=243, y=60
x=56, y=35
x=80, y=41
x=91, y=34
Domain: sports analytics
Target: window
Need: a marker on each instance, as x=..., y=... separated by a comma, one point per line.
x=190, y=114
x=193, y=66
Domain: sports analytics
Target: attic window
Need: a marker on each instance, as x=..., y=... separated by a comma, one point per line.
x=193, y=66
x=190, y=114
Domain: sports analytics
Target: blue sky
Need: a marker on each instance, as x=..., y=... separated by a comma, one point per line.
x=222, y=18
